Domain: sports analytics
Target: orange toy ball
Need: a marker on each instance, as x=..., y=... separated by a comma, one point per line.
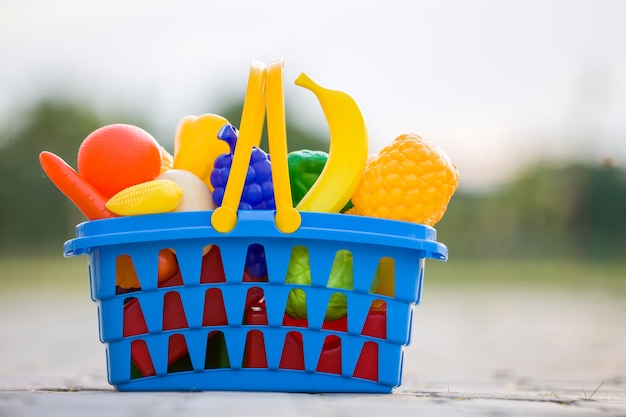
x=118, y=156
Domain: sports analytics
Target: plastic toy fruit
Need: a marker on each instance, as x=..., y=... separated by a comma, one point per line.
x=347, y=154
x=411, y=179
x=258, y=190
x=299, y=272
x=118, y=156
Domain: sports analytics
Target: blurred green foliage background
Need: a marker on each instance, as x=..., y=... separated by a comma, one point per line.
x=565, y=212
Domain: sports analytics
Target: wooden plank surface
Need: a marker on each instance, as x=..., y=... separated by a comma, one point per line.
x=510, y=351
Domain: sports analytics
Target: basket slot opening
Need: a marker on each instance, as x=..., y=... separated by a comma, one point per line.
x=212, y=270
x=216, y=352
x=141, y=362
x=367, y=365
x=214, y=309
x=294, y=322
x=255, y=311
x=337, y=307
x=233, y=260
x=178, y=359
x=168, y=270
x=256, y=265
x=126, y=279
x=342, y=272
x=384, y=280
x=134, y=321
x=255, y=355
x=296, y=305
x=330, y=357
x=376, y=321
x=293, y=352
x=337, y=325
x=173, y=312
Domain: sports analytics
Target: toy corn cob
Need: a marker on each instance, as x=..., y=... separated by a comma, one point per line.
x=151, y=197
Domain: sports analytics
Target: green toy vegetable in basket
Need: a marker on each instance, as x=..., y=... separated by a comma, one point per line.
x=299, y=272
x=305, y=167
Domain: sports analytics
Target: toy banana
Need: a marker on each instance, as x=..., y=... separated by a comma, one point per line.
x=347, y=155
x=196, y=145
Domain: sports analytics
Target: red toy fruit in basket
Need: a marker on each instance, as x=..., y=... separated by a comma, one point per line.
x=118, y=156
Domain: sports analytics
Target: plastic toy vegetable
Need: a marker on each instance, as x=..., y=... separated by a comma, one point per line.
x=305, y=167
x=86, y=197
x=196, y=145
x=299, y=272
x=347, y=154
x=90, y=202
x=151, y=197
x=411, y=179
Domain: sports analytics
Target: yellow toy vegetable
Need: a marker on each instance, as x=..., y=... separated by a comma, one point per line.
x=152, y=197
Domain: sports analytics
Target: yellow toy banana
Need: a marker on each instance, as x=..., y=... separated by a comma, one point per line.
x=196, y=145
x=347, y=155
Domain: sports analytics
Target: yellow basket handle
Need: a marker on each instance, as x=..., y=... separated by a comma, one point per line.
x=224, y=218
x=261, y=80
x=287, y=218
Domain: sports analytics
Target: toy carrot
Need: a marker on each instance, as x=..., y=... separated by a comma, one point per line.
x=85, y=197
x=92, y=204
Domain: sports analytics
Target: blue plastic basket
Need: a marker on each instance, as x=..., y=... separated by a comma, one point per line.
x=368, y=239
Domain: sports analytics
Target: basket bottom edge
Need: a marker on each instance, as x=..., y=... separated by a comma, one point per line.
x=288, y=382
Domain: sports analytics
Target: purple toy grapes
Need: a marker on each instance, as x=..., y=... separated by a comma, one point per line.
x=257, y=194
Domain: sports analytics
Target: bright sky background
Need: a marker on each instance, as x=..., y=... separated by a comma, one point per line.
x=495, y=83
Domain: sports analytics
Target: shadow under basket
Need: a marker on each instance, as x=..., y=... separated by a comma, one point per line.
x=213, y=325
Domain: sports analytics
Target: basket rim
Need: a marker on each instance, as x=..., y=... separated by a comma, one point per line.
x=255, y=224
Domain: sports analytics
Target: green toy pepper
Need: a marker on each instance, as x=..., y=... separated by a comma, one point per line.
x=305, y=167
